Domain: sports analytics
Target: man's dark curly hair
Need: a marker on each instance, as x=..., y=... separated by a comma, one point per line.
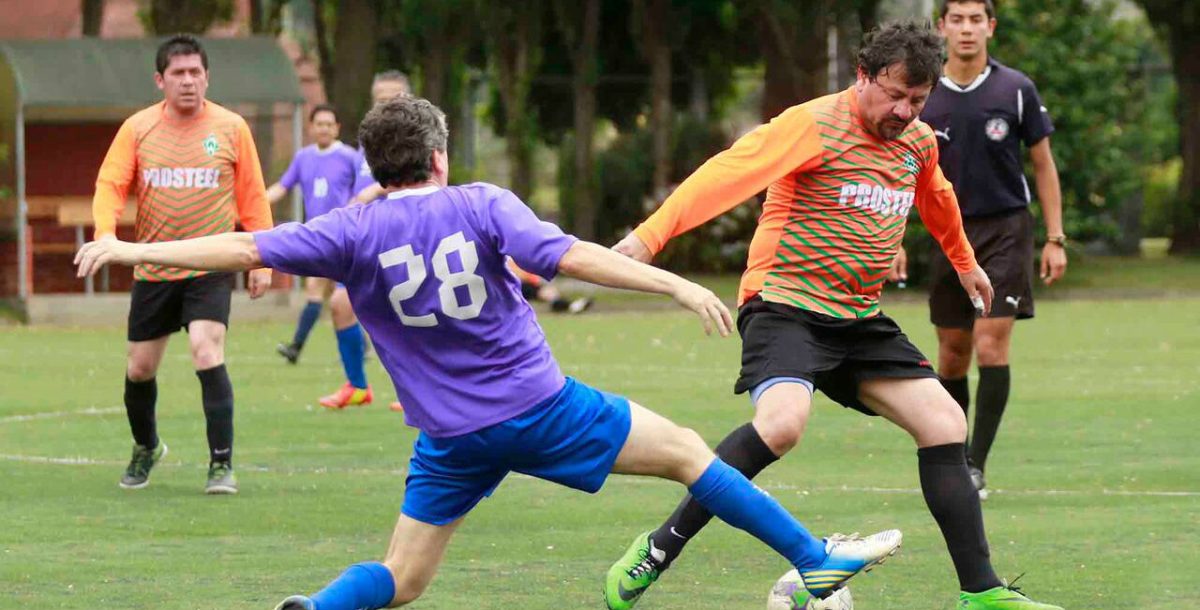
x=399, y=137
x=911, y=43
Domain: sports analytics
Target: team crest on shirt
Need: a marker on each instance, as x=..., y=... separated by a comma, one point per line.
x=910, y=163
x=210, y=144
x=996, y=129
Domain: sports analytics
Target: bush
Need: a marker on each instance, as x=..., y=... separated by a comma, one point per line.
x=624, y=171
x=1160, y=194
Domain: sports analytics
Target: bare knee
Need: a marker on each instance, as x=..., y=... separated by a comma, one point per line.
x=341, y=311
x=141, y=363
x=691, y=455
x=140, y=368
x=782, y=427
x=954, y=353
x=207, y=352
x=992, y=350
x=944, y=424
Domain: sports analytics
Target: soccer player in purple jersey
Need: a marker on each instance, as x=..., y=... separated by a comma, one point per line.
x=425, y=270
x=326, y=171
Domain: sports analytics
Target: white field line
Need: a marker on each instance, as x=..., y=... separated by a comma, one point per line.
x=12, y=419
x=767, y=485
x=770, y=486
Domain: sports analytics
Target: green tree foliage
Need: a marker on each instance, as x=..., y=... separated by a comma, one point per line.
x=166, y=17
x=1085, y=63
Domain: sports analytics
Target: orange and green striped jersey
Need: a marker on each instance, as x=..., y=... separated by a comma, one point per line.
x=837, y=203
x=192, y=177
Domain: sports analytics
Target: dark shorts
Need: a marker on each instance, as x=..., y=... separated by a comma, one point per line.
x=572, y=438
x=529, y=291
x=1004, y=248
x=835, y=354
x=157, y=309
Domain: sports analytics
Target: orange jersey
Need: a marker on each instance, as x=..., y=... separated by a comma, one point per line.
x=837, y=203
x=192, y=177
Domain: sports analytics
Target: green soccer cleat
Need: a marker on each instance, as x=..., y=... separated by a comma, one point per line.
x=137, y=473
x=296, y=602
x=633, y=573
x=221, y=479
x=1006, y=597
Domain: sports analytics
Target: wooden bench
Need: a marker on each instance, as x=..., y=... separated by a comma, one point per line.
x=71, y=211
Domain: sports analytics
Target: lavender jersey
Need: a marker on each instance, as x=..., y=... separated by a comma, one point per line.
x=426, y=274
x=325, y=177
x=363, y=178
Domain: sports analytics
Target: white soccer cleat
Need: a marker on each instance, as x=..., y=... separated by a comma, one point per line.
x=849, y=555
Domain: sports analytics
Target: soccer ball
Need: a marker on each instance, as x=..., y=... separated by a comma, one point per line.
x=789, y=594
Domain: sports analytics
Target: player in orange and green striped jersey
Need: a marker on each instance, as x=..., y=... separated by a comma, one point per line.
x=842, y=173
x=194, y=171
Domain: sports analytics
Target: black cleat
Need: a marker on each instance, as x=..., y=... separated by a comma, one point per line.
x=289, y=351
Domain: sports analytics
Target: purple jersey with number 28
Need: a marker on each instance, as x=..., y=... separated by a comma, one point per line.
x=425, y=270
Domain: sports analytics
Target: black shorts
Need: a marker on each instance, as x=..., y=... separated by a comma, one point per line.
x=835, y=354
x=1004, y=248
x=529, y=291
x=157, y=309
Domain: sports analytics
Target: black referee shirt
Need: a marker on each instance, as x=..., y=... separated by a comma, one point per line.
x=979, y=130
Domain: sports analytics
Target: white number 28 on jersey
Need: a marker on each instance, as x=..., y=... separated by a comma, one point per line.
x=476, y=291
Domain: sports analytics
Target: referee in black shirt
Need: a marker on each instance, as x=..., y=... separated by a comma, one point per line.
x=982, y=112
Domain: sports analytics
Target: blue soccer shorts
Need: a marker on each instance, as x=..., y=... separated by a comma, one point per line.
x=572, y=438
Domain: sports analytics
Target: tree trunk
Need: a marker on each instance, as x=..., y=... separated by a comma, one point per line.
x=656, y=46
x=348, y=77
x=582, y=32
x=795, y=50
x=258, y=19
x=516, y=50
x=93, y=16
x=1185, y=234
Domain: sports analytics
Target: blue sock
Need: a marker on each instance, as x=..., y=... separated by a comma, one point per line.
x=308, y=318
x=362, y=585
x=729, y=495
x=351, y=346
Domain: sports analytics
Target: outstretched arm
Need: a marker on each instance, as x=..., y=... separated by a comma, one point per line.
x=596, y=264
x=223, y=252
x=790, y=142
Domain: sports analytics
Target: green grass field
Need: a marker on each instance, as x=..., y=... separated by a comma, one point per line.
x=1096, y=472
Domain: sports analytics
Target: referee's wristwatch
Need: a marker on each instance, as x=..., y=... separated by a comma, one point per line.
x=1059, y=240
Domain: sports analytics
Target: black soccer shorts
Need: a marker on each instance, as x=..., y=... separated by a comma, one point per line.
x=835, y=354
x=1004, y=248
x=157, y=309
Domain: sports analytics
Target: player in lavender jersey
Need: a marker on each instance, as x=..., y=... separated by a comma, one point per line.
x=325, y=172
x=425, y=269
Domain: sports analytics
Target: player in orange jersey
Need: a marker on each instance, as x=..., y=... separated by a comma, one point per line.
x=194, y=170
x=841, y=173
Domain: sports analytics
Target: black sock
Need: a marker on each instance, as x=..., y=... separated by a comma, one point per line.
x=954, y=503
x=217, y=394
x=743, y=449
x=991, y=397
x=959, y=391
x=140, y=397
x=559, y=305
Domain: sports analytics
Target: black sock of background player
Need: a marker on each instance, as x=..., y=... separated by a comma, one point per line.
x=140, y=397
x=991, y=397
x=960, y=391
x=954, y=503
x=743, y=449
x=559, y=305
x=217, y=394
